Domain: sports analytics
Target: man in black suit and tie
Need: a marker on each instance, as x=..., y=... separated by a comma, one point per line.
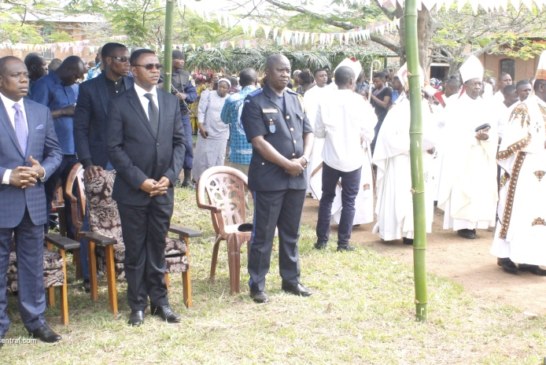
x=91, y=120
x=29, y=154
x=146, y=147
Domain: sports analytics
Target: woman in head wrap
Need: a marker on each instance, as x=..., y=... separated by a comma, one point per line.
x=213, y=135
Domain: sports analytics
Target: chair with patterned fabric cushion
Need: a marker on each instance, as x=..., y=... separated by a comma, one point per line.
x=224, y=191
x=106, y=247
x=54, y=270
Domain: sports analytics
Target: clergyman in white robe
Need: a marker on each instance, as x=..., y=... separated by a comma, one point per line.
x=394, y=205
x=467, y=182
x=521, y=232
x=311, y=101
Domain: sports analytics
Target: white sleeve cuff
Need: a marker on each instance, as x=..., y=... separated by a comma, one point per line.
x=5, y=178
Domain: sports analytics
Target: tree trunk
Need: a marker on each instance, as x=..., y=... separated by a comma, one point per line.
x=424, y=35
x=416, y=157
x=167, y=55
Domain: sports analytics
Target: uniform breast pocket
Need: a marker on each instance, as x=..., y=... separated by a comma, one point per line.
x=300, y=117
x=271, y=122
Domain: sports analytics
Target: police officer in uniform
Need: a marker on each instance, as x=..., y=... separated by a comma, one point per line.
x=282, y=139
x=184, y=90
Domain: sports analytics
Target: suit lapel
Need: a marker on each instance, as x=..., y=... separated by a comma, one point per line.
x=102, y=90
x=162, y=109
x=6, y=123
x=32, y=123
x=165, y=126
x=137, y=106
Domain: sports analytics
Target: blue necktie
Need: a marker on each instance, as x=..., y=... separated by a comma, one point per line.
x=21, y=128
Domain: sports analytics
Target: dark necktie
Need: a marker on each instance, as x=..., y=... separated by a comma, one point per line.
x=153, y=112
x=21, y=128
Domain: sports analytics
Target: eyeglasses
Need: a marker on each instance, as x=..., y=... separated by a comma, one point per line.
x=122, y=59
x=151, y=66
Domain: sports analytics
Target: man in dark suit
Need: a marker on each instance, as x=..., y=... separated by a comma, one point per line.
x=146, y=147
x=91, y=120
x=29, y=154
x=90, y=117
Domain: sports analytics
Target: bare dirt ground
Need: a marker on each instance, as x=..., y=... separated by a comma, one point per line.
x=466, y=262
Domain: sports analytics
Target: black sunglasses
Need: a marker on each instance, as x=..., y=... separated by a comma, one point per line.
x=151, y=66
x=122, y=59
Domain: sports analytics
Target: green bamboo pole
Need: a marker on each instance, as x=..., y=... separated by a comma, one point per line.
x=419, y=243
x=168, y=49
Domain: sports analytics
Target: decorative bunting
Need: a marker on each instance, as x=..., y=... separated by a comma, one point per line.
x=476, y=4
x=298, y=38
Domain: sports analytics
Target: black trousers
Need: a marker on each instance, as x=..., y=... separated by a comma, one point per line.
x=281, y=210
x=188, y=142
x=144, y=231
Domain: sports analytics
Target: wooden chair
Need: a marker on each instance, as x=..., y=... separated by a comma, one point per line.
x=58, y=207
x=54, y=271
x=224, y=191
x=106, y=247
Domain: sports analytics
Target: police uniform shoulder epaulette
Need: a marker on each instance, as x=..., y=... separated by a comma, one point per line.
x=255, y=92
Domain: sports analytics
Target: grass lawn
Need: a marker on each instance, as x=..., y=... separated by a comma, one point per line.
x=362, y=312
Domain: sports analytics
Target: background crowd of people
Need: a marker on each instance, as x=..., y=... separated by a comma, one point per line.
x=329, y=135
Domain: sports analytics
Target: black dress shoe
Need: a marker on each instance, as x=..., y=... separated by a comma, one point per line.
x=535, y=269
x=259, y=297
x=407, y=241
x=345, y=248
x=45, y=334
x=321, y=245
x=166, y=313
x=296, y=289
x=86, y=286
x=507, y=265
x=467, y=233
x=136, y=318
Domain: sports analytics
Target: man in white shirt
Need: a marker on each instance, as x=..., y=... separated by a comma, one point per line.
x=346, y=122
x=505, y=79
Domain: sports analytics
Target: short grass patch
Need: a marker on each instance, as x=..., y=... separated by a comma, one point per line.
x=362, y=312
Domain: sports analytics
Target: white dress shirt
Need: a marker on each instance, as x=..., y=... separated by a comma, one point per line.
x=8, y=104
x=347, y=122
x=143, y=100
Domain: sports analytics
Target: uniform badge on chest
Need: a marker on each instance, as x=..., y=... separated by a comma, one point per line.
x=272, y=127
x=269, y=113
